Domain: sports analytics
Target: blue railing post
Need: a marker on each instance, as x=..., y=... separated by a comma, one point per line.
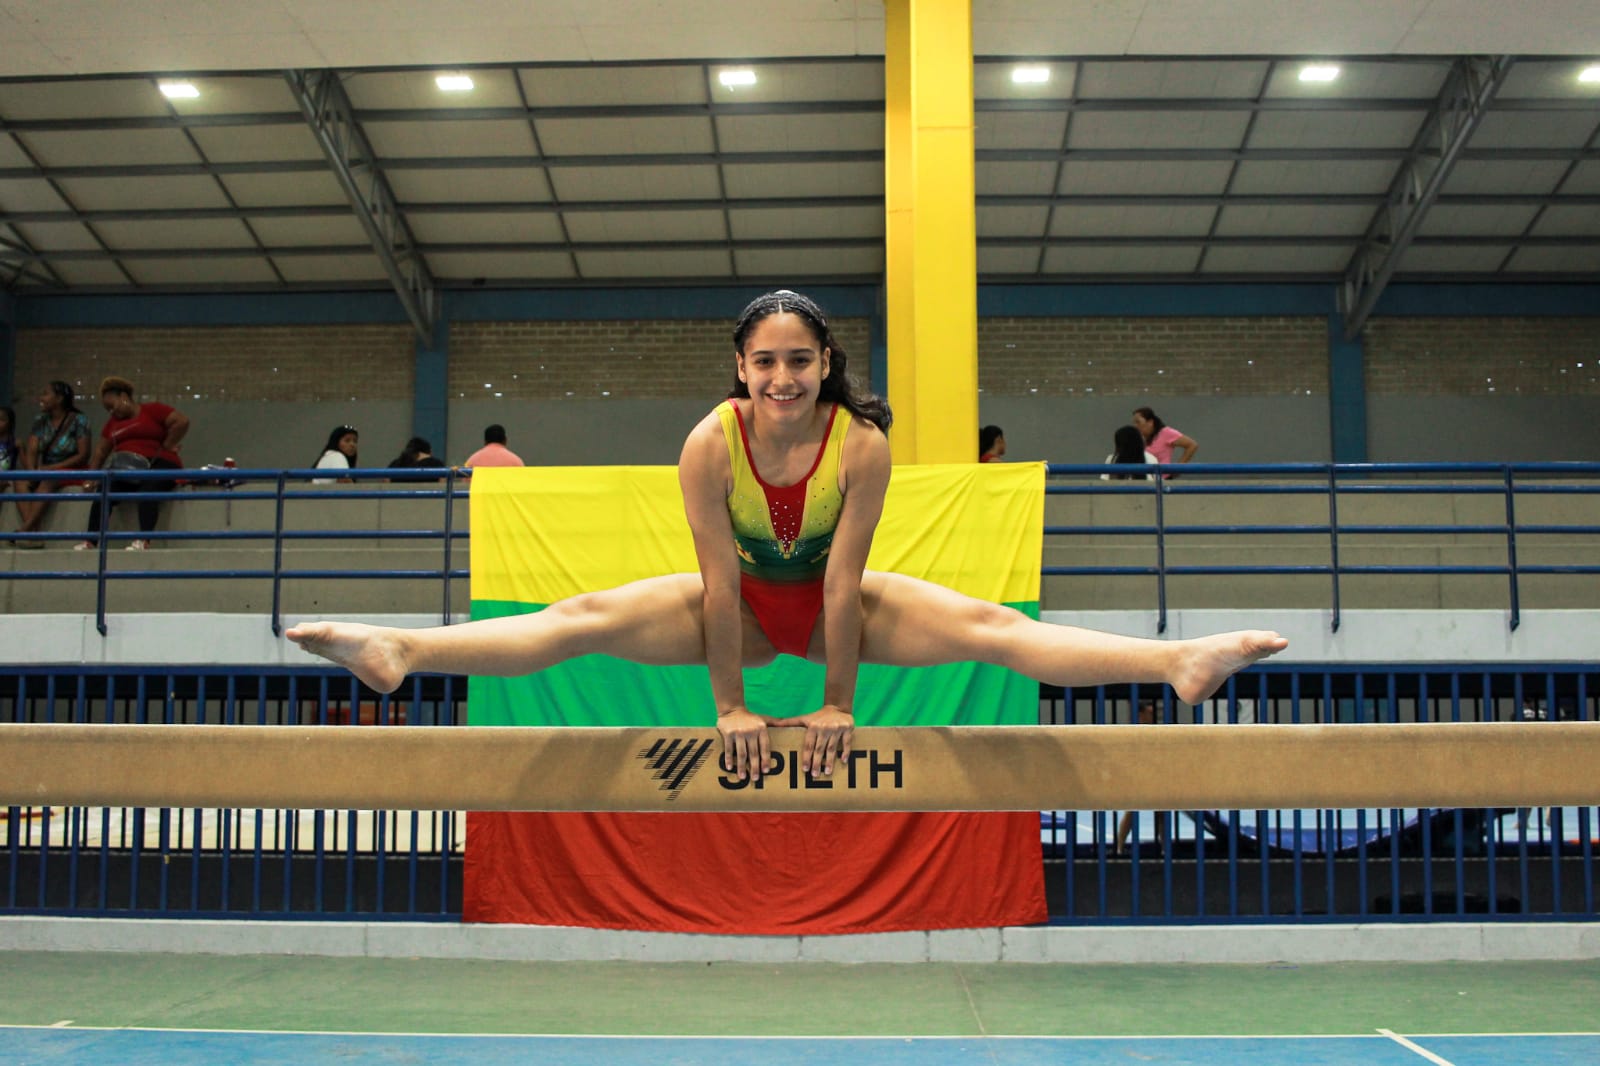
x=1511, y=548
x=277, y=558
x=449, y=537
x=1333, y=537
x=100, y=574
x=1161, y=551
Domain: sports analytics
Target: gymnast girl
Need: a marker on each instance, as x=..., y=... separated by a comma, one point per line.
x=784, y=484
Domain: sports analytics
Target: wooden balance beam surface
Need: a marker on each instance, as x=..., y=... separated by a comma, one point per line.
x=1172, y=767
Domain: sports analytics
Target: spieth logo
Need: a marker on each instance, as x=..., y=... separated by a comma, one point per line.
x=674, y=762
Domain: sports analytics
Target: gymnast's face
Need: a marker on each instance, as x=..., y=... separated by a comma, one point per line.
x=783, y=364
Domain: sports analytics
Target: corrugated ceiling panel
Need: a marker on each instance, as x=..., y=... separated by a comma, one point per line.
x=1015, y=179
x=1546, y=78
x=1122, y=260
x=636, y=183
x=1585, y=178
x=1556, y=260
x=203, y=233
x=808, y=262
x=1008, y=260
x=1409, y=80
x=252, y=144
x=646, y=225
x=201, y=271
x=1491, y=176
x=1207, y=178
x=800, y=133
x=1270, y=260
x=58, y=236
x=326, y=268
x=1158, y=129
x=1011, y=221
x=300, y=232
x=29, y=195
x=91, y=98
x=386, y=89
x=90, y=273
x=610, y=86
x=111, y=194
x=780, y=82
x=459, y=138
x=1336, y=129
x=1451, y=259
x=1248, y=220
x=1532, y=129
x=992, y=81
x=468, y=186
x=283, y=190
x=804, y=179
x=1324, y=176
x=243, y=95
x=501, y=266
x=796, y=222
x=532, y=226
x=1474, y=220
x=710, y=263
x=11, y=155
x=1018, y=129
x=1118, y=221
x=1560, y=220
x=1173, y=78
x=105, y=148
x=625, y=136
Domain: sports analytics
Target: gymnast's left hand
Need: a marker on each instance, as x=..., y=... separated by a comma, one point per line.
x=829, y=732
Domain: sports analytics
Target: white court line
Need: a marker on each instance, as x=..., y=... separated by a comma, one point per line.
x=1424, y=1052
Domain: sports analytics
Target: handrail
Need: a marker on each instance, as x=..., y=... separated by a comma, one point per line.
x=1505, y=480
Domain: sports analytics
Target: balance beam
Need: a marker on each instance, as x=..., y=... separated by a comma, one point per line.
x=1170, y=767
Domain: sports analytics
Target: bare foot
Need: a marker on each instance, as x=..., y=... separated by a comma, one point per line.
x=372, y=653
x=1209, y=661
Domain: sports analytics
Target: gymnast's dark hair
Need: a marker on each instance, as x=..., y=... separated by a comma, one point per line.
x=840, y=386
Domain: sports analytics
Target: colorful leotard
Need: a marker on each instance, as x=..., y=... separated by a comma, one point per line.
x=783, y=534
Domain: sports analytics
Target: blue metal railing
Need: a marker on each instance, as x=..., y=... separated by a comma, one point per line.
x=1192, y=866
x=1505, y=480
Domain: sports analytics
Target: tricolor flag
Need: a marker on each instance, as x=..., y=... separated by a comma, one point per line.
x=542, y=534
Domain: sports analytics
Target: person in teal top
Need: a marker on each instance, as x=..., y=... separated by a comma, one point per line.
x=792, y=391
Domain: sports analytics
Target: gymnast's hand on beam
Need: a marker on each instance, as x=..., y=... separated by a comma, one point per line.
x=829, y=732
x=746, y=748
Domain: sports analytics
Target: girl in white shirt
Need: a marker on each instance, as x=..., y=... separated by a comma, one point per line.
x=1128, y=447
x=338, y=454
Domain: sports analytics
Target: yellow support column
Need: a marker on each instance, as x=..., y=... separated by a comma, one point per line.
x=931, y=231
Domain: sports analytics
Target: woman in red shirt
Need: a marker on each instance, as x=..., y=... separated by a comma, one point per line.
x=138, y=436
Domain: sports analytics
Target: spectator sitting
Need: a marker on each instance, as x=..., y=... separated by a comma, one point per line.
x=338, y=454
x=138, y=436
x=416, y=455
x=58, y=440
x=991, y=444
x=1128, y=448
x=494, y=451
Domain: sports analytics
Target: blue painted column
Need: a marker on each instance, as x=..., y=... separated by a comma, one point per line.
x=430, y=393
x=1347, y=394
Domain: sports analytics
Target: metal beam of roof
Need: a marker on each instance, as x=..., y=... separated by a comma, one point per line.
x=1463, y=101
x=327, y=110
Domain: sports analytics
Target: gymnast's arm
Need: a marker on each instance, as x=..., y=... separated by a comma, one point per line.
x=706, y=475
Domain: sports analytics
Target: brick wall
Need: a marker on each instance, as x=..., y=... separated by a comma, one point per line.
x=270, y=364
x=1153, y=356
x=1483, y=356
x=588, y=360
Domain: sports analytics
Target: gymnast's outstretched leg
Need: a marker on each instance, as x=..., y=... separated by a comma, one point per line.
x=657, y=621
x=909, y=622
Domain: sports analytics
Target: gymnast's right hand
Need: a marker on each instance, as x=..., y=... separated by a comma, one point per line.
x=746, y=748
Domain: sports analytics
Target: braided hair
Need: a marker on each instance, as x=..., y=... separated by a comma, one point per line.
x=840, y=386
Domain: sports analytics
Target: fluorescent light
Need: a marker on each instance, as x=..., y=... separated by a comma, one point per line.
x=1030, y=75
x=735, y=78
x=179, y=90
x=1319, y=72
x=453, y=83
x=1590, y=75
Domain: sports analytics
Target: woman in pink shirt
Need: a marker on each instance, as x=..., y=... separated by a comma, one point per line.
x=1160, y=439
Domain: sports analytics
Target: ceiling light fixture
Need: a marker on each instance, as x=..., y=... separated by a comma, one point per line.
x=453, y=83
x=734, y=79
x=1590, y=75
x=179, y=90
x=1030, y=75
x=1319, y=72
